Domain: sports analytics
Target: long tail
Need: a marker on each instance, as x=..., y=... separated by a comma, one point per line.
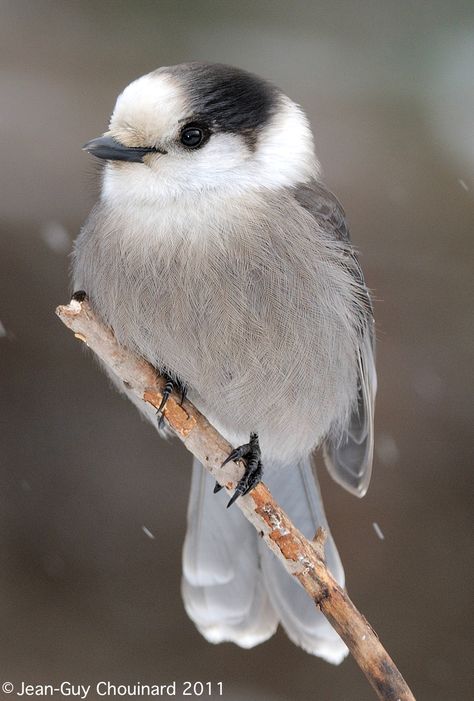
x=222, y=583
x=234, y=588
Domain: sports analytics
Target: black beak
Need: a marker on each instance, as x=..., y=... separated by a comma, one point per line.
x=108, y=148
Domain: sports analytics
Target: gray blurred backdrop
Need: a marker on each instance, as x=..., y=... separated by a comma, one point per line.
x=86, y=594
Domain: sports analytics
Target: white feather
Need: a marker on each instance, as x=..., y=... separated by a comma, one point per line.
x=222, y=584
x=349, y=456
x=234, y=588
x=295, y=488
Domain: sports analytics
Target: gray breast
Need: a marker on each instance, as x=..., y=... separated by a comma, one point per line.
x=252, y=317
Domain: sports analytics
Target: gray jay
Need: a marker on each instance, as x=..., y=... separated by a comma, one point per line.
x=216, y=253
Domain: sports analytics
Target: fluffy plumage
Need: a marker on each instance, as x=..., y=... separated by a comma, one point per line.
x=231, y=267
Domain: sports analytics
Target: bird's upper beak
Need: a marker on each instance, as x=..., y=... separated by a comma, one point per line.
x=108, y=148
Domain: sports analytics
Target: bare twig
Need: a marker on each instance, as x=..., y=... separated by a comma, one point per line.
x=301, y=558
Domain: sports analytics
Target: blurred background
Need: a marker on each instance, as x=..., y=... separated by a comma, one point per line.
x=92, y=503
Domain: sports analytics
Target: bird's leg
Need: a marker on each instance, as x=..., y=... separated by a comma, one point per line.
x=172, y=383
x=251, y=456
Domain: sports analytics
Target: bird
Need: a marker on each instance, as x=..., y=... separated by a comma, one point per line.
x=216, y=252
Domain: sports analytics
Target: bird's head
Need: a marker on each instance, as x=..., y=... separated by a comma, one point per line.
x=197, y=127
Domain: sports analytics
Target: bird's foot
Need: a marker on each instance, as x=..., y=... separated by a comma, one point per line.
x=172, y=383
x=250, y=454
x=79, y=296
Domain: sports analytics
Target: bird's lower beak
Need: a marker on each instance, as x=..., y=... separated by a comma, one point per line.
x=112, y=150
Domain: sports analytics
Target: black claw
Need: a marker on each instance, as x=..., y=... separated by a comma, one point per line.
x=164, y=398
x=79, y=296
x=237, y=454
x=234, y=497
x=171, y=384
x=250, y=452
x=254, y=478
x=247, y=450
x=217, y=488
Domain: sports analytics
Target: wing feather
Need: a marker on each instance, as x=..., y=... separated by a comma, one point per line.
x=349, y=456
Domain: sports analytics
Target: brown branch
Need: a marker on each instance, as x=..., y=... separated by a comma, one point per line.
x=301, y=558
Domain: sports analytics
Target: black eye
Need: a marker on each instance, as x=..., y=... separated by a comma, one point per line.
x=193, y=136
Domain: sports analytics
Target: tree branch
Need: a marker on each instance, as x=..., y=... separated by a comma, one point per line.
x=300, y=557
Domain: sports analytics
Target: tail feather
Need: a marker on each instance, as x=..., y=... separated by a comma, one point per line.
x=222, y=583
x=234, y=588
x=296, y=490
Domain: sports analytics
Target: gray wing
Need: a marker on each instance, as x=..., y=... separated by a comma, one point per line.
x=349, y=457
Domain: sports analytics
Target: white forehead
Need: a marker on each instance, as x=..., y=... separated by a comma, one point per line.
x=151, y=106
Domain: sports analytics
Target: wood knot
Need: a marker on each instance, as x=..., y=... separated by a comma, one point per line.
x=321, y=597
